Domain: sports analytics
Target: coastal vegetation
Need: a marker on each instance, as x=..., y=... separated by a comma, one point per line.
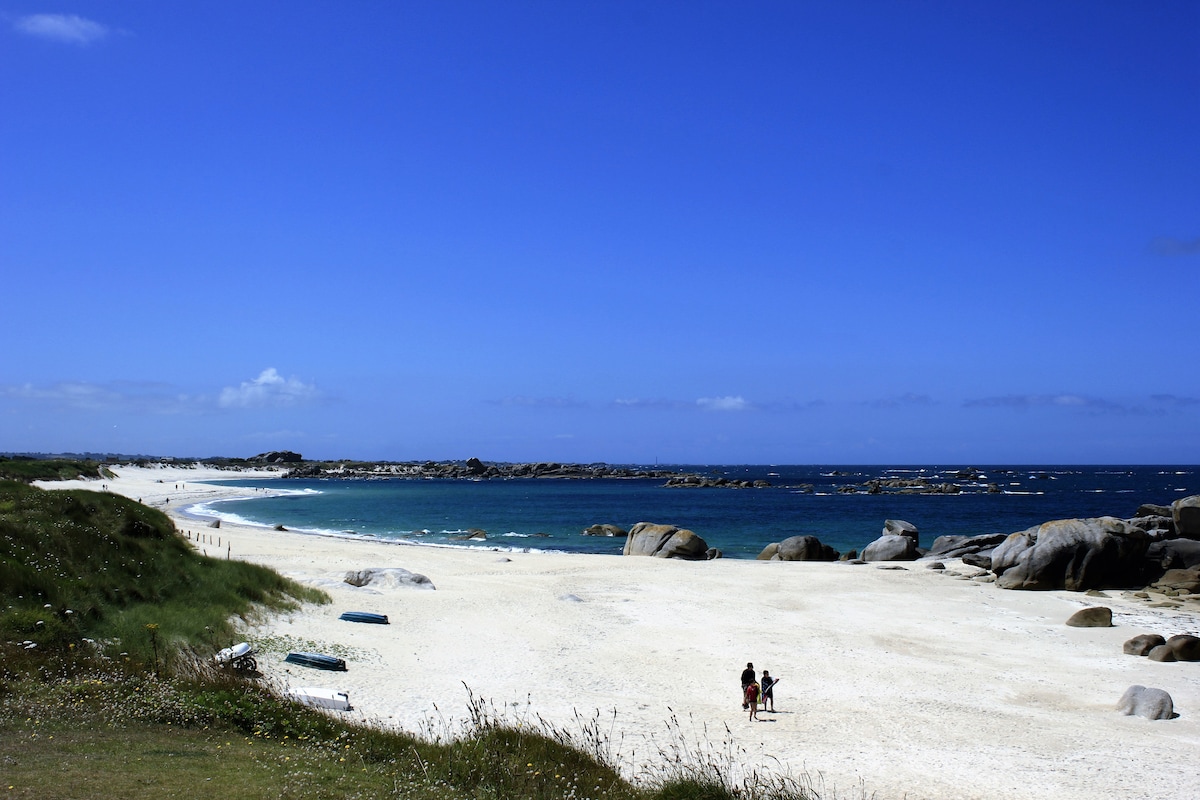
x=27, y=470
x=108, y=623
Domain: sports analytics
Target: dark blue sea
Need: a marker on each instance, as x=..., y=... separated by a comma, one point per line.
x=550, y=514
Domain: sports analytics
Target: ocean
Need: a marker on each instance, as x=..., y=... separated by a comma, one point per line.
x=524, y=514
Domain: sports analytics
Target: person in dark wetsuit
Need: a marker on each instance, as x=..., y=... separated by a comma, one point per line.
x=748, y=678
x=768, y=691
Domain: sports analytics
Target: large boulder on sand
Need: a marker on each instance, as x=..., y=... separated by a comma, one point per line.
x=1142, y=644
x=798, y=548
x=1186, y=513
x=1094, y=617
x=664, y=541
x=1148, y=703
x=1072, y=554
x=891, y=548
x=387, y=578
x=1185, y=647
x=1162, y=653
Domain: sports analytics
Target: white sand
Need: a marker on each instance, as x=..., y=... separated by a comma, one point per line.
x=903, y=683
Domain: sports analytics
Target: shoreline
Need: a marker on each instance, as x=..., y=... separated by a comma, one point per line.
x=901, y=682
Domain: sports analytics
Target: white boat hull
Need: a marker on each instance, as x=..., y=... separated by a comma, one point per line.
x=317, y=697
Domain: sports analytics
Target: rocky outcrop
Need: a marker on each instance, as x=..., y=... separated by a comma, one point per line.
x=277, y=457
x=605, y=529
x=1073, y=554
x=1148, y=703
x=898, y=527
x=898, y=542
x=1152, y=509
x=1186, y=514
x=387, y=578
x=960, y=546
x=890, y=547
x=798, y=548
x=664, y=541
x=1159, y=527
x=1178, y=581
x=1174, y=554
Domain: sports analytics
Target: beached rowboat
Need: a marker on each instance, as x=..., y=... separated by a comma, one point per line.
x=364, y=616
x=318, y=697
x=316, y=661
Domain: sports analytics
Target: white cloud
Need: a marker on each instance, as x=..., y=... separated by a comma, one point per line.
x=268, y=390
x=68, y=28
x=723, y=403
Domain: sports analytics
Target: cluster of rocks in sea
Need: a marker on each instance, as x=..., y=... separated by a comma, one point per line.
x=904, y=486
x=1158, y=548
x=472, y=468
x=704, y=482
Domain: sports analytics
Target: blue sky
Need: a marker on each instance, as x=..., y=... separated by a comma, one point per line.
x=689, y=232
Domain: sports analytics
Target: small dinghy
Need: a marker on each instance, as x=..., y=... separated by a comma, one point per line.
x=317, y=697
x=240, y=656
x=316, y=661
x=365, y=616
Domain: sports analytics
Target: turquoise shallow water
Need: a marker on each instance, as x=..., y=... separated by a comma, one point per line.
x=535, y=514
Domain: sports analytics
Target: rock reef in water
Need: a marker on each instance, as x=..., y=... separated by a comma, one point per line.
x=472, y=469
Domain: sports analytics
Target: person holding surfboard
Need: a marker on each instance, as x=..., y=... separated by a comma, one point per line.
x=768, y=691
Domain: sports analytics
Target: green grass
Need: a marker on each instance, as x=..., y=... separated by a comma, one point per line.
x=99, y=730
x=119, y=698
x=79, y=564
x=27, y=470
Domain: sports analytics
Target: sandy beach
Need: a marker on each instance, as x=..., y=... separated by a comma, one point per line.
x=899, y=682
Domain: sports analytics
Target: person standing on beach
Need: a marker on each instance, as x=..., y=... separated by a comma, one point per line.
x=747, y=679
x=768, y=691
x=751, y=698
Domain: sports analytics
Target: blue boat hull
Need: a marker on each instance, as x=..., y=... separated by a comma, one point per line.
x=365, y=616
x=316, y=661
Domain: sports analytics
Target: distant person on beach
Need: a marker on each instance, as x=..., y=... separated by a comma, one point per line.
x=768, y=691
x=747, y=679
x=751, y=700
